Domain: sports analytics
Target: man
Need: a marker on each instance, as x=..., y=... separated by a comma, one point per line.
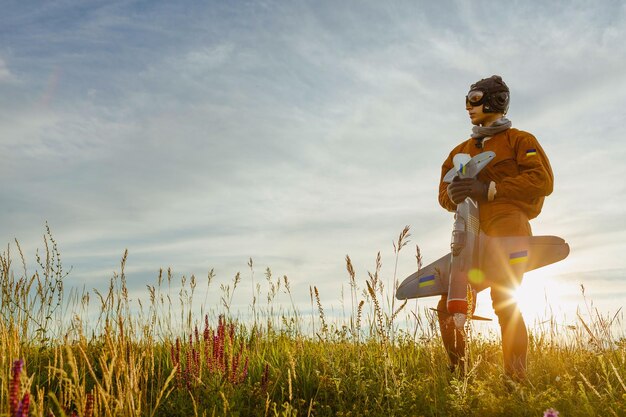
x=510, y=191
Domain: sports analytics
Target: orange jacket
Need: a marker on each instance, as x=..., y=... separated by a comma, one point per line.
x=520, y=170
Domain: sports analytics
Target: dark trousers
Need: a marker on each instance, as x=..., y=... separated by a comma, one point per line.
x=512, y=328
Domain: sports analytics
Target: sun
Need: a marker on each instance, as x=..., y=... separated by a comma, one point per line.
x=540, y=295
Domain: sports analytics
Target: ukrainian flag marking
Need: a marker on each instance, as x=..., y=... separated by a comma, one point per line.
x=426, y=281
x=531, y=152
x=518, y=257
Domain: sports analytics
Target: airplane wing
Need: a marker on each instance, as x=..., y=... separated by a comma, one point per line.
x=428, y=281
x=450, y=175
x=499, y=256
x=478, y=162
x=468, y=167
x=515, y=255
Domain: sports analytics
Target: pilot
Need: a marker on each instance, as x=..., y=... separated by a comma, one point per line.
x=510, y=191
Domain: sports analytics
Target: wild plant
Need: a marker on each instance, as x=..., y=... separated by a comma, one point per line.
x=295, y=319
x=219, y=354
x=18, y=407
x=34, y=304
x=124, y=361
x=322, y=316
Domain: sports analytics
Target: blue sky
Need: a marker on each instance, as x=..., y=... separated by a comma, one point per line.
x=200, y=134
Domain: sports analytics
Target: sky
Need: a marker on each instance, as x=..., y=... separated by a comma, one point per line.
x=198, y=135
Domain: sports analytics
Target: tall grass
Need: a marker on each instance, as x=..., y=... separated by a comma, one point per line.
x=64, y=354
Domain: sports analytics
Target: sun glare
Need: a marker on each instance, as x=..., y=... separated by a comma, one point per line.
x=540, y=296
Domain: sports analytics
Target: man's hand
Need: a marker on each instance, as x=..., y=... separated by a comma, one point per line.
x=459, y=189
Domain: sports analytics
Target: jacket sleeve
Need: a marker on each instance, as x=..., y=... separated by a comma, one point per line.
x=444, y=200
x=535, y=178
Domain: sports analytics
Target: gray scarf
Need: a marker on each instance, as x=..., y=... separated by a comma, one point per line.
x=500, y=125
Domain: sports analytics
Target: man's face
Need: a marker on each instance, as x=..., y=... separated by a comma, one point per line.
x=480, y=118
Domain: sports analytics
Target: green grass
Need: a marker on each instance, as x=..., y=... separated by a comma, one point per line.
x=170, y=356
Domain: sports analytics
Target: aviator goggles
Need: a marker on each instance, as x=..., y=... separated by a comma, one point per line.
x=474, y=98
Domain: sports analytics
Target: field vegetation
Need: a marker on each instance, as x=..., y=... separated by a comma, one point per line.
x=72, y=352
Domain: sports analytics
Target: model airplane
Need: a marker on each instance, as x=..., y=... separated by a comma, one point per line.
x=476, y=258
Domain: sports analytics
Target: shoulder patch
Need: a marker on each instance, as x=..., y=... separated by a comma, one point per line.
x=531, y=152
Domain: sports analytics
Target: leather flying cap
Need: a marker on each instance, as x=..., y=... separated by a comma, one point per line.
x=495, y=94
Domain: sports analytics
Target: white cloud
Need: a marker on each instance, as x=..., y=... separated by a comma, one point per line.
x=5, y=73
x=208, y=58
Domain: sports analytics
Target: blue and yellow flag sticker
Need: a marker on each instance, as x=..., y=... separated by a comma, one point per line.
x=531, y=152
x=426, y=281
x=518, y=257
x=463, y=169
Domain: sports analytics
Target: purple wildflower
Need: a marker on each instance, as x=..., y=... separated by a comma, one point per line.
x=265, y=379
x=14, y=386
x=17, y=408
x=550, y=412
x=89, y=405
x=244, y=372
x=206, y=327
x=22, y=409
x=218, y=351
x=234, y=366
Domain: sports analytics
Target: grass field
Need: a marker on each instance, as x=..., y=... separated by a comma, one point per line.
x=65, y=352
